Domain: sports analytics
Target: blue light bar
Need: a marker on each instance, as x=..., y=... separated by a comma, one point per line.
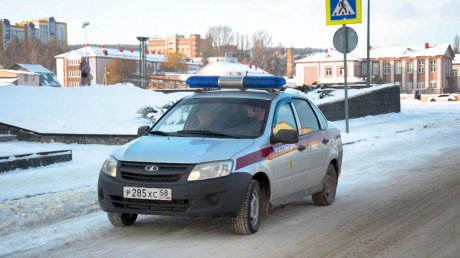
x=203, y=81
x=236, y=82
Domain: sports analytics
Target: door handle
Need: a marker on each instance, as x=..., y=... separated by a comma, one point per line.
x=325, y=141
x=301, y=147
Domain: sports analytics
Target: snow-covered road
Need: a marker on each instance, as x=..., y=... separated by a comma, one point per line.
x=398, y=195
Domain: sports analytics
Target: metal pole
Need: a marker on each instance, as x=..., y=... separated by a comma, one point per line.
x=345, y=78
x=85, y=24
x=368, y=42
x=140, y=63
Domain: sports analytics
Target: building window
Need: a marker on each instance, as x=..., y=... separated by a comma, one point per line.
x=410, y=85
x=398, y=67
x=364, y=69
x=74, y=73
x=26, y=77
x=342, y=71
x=410, y=66
x=454, y=73
x=375, y=68
x=421, y=85
x=386, y=68
x=421, y=66
x=432, y=66
x=432, y=84
x=328, y=72
x=73, y=62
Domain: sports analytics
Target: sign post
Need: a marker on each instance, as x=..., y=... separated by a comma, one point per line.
x=341, y=12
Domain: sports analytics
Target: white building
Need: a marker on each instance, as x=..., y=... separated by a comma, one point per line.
x=68, y=64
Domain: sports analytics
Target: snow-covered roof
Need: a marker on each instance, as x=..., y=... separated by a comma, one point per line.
x=35, y=68
x=331, y=55
x=380, y=52
x=16, y=71
x=456, y=60
x=92, y=51
x=226, y=69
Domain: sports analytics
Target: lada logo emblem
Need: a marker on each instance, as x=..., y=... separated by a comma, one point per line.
x=151, y=168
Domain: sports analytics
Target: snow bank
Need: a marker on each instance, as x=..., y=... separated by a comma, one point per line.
x=100, y=109
x=84, y=110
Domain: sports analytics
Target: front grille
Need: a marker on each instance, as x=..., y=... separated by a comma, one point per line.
x=151, y=205
x=135, y=171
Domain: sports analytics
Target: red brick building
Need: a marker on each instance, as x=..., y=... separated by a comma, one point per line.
x=190, y=47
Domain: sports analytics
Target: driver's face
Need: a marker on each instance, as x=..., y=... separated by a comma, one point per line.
x=204, y=117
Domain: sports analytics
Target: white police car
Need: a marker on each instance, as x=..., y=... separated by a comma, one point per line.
x=234, y=152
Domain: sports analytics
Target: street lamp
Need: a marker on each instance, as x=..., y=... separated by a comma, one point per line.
x=85, y=24
x=142, y=72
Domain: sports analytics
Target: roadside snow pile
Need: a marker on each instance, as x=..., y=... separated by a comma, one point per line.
x=85, y=110
x=102, y=109
x=45, y=208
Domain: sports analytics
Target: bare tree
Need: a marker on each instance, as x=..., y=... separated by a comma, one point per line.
x=221, y=36
x=118, y=69
x=261, y=40
x=33, y=52
x=456, y=44
x=174, y=62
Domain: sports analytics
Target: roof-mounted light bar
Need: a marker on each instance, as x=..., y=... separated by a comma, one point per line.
x=236, y=82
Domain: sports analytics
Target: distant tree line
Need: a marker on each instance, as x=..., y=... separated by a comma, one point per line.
x=257, y=50
x=32, y=52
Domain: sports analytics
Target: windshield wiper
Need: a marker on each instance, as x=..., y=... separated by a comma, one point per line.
x=205, y=132
x=159, y=133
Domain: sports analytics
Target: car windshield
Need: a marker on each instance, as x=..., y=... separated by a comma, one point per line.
x=215, y=117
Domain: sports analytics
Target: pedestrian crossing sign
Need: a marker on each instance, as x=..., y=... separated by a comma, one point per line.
x=340, y=12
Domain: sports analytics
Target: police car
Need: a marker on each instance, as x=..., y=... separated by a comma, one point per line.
x=235, y=148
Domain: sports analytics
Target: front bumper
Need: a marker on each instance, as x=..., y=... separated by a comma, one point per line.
x=212, y=197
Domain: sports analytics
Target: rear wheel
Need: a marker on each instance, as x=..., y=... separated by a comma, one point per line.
x=248, y=219
x=432, y=100
x=327, y=195
x=121, y=219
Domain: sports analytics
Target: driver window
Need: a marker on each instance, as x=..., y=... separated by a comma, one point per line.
x=284, y=119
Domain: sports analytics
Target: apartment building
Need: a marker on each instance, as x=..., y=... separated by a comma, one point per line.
x=43, y=29
x=190, y=47
x=426, y=68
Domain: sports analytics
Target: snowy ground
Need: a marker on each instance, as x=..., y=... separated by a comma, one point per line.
x=397, y=196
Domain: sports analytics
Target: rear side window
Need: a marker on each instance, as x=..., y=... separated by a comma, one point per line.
x=320, y=115
x=307, y=117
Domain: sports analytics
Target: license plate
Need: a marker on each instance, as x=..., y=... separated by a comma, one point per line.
x=163, y=194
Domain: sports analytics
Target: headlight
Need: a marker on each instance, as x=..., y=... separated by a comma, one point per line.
x=110, y=167
x=210, y=170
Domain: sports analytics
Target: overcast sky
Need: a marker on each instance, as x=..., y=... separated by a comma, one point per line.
x=297, y=23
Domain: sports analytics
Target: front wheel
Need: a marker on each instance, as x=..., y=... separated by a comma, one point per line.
x=327, y=195
x=248, y=219
x=121, y=219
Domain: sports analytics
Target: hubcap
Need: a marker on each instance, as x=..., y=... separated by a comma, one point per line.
x=254, y=213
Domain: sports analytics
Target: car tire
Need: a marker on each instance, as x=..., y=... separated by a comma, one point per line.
x=248, y=219
x=432, y=100
x=121, y=219
x=450, y=100
x=327, y=195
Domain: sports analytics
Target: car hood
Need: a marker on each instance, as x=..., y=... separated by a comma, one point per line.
x=163, y=149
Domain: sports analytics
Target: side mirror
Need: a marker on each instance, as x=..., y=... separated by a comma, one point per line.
x=142, y=130
x=285, y=136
